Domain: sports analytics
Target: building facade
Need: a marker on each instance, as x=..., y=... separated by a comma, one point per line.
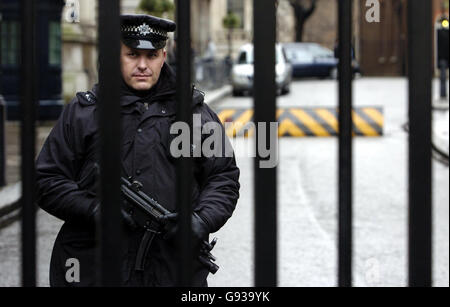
x=380, y=47
x=239, y=36
x=384, y=45
x=79, y=52
x=48, y=57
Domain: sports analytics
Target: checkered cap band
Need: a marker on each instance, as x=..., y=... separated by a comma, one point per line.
x=143, y=30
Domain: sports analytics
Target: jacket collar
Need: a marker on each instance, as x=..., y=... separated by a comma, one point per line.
x=164, y=93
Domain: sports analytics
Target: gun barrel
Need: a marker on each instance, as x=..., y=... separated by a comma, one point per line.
x=138, y=201
x=145, y=197
x=138, y=198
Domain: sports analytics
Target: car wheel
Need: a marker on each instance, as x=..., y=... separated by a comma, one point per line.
x=334, y=73
x=286, y=90
x=236, y=93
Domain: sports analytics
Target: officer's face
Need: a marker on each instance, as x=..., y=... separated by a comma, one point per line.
x=141, y=67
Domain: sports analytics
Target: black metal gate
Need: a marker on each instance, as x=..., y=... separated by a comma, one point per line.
x=420, y=72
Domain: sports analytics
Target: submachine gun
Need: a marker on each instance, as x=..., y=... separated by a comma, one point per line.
x=148, y=214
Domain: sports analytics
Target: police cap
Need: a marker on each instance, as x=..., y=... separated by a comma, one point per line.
x=145, y=31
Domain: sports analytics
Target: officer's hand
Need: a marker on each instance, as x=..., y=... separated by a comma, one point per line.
x=127, y=219
x=200, y=230
x=170, y=225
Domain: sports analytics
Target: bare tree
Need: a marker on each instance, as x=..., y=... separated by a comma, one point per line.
x=303, y=9
x=230, y=22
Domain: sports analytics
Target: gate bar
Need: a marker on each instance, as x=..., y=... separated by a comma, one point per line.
x=28, y=134
x=265, y=187
x=420, y=173
x=184, y=164
x=110, y=128
x=345, y=143
x=2, y=120
x=2, y=136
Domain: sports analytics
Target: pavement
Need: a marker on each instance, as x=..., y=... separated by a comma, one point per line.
x=307, y=198
x=9, y=204
x=440, y=136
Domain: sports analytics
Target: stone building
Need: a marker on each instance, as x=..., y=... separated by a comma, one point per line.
x=243, y=34
x=79, y=35
x=383, y=45
x=379, y=47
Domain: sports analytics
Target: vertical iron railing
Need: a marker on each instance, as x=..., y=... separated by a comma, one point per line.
x=28, y=133
x=345, y=144
x=2, y=139
x=184, y=164
x=420, y=175
x=110, y=128
x=265, y=109
x=2, y=118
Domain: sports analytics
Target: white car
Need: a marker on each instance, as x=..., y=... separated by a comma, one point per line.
x=242, y=72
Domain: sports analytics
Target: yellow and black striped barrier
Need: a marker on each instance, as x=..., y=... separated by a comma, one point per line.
x=306, y=122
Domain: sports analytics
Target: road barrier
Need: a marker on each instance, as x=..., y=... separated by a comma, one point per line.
x=306, y=122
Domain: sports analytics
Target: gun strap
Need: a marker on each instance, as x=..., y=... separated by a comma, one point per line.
x=144, y=247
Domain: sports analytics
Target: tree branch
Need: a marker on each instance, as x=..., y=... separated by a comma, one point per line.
x=311, y=9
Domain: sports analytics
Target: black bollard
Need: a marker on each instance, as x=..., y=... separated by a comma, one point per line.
x=443, y=71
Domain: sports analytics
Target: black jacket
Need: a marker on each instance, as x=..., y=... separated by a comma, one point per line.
x=67, y=159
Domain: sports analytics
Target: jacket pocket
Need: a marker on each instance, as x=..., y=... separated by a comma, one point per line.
x=73, y=262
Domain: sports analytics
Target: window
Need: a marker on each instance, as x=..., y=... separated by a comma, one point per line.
x=10, y=43
x=246, y=56
x=54, y=44
x=243, y=58
x=237, y=7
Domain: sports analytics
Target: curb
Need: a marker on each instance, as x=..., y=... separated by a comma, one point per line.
x=9, y=204
x=440, y=136
x=215, y=96
x=441, y=104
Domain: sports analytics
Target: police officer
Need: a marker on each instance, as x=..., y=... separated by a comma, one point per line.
x=69, y=155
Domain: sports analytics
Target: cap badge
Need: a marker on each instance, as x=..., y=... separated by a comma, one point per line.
x=144, y=29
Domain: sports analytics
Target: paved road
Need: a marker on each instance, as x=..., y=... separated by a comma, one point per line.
x=307, y=203
x=307, y=187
